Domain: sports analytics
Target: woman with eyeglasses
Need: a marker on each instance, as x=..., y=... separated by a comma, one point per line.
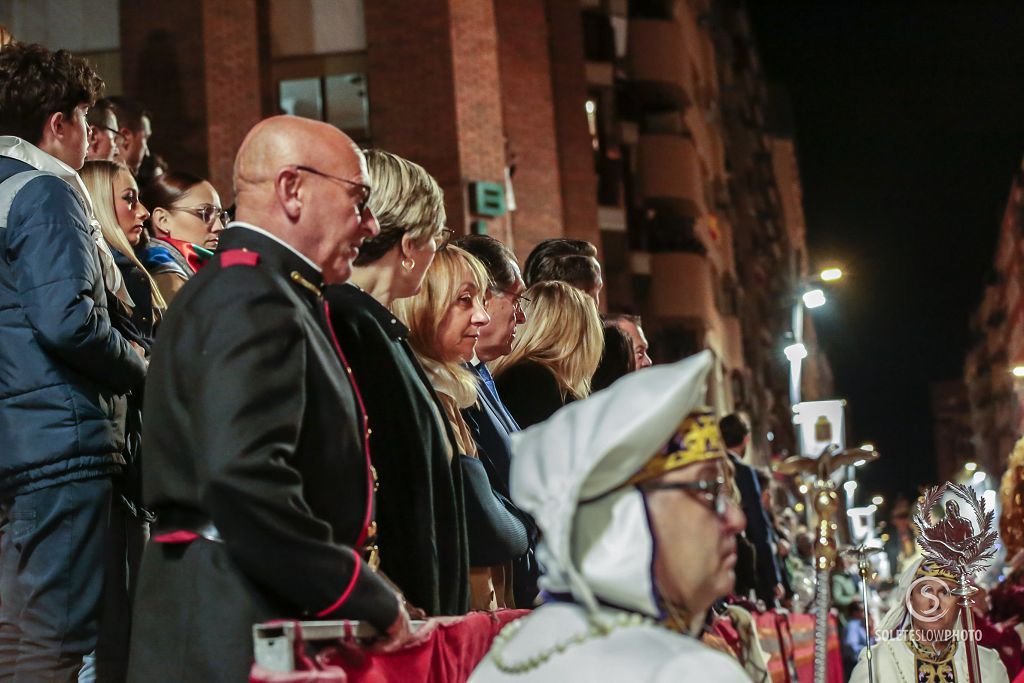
x=184, y=228
x=554, y=356
x=421, y=528
x=444, y=321
x=135, y=313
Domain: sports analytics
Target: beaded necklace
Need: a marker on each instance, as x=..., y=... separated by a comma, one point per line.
x=595, y=630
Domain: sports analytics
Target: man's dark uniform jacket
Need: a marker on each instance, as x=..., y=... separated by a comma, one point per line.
x=255, y=438
x=422, y=525
x=758, y=531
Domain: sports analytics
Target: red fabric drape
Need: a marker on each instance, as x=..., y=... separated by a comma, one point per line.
x=446, y=650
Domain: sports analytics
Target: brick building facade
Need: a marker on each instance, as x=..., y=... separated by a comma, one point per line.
x=639, y=125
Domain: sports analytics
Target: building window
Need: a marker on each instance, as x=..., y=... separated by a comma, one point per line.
x=338, y=99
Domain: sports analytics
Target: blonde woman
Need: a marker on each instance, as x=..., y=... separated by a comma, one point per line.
x=121, y=216
x=555, y=355
x=421, y=532
x=444, y=321
x=115, y=198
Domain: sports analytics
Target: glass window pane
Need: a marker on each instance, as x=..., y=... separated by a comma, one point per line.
x=301, y=97
x=348, y=107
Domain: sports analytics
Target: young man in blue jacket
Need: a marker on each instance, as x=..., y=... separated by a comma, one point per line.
x=63, y=370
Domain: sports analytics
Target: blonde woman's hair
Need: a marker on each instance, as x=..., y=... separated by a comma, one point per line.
x=563, y=333
x=406, y=200
x=99, y=178
x=424, y=312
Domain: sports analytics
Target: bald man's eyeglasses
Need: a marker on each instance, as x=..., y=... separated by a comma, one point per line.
x=362, y=206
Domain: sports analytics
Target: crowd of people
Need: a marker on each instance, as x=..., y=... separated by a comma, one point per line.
x=308, y=406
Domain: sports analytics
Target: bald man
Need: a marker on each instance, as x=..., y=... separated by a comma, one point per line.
x=256, y=443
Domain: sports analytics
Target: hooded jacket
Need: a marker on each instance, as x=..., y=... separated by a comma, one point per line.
x=63, y=368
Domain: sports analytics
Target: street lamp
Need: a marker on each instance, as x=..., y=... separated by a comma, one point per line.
x=814, y=298
x=1018, y=371
x=831, y=274
x=795, y=352
x=809, y=298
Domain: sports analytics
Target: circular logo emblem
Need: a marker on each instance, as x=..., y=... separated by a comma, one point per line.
x=932, y=610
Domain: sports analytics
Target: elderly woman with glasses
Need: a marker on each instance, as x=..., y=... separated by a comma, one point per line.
x=638, y=524
x=421, y=534
x=186, y=219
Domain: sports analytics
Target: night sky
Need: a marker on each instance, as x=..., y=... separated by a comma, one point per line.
x=910, y=123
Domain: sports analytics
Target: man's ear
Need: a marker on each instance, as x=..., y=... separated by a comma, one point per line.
x=288, y=188
x=53, y=128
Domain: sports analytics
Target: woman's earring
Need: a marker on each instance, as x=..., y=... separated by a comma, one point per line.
x=410, y=266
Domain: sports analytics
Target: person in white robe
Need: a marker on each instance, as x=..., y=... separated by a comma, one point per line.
x=638, y=519
x=924, y=644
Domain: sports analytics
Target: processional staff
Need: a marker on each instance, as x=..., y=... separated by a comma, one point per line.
x=825, y=548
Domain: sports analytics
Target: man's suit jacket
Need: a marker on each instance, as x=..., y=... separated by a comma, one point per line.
x=759, y=531
x=491, y=425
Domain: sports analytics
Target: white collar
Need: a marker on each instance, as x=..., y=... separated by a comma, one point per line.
x=22, y=150
x=250, y=226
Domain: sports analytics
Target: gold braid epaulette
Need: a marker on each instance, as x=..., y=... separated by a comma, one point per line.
x=303, y=282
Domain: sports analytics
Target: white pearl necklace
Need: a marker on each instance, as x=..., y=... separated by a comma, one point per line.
x=596, y=629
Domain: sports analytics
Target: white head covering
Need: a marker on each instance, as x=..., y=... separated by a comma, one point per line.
x=898, y=617
x=604, y=549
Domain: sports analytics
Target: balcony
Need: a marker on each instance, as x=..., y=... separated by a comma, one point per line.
x=660, y=68
x=681, y=287
x=669, y=168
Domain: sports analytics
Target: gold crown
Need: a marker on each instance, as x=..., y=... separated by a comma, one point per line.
x=939, y=571
x=696, y=440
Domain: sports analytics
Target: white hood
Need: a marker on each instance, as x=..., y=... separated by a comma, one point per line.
x=603, y=550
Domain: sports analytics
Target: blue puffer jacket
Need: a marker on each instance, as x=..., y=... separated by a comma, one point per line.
x=63, y=369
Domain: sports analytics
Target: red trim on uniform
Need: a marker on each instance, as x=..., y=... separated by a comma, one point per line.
x=348, y=589
x=239, y=257
x=366, y=439
x=176, y=537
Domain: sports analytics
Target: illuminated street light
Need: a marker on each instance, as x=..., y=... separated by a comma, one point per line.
x=814, y=298
x=803, y=489
x=858, y=464
x=850, y=487
x=970, y=466
x=1018, y=371
x=877, y=500
x=795, y=352
x=831, y=274
x=867, y=446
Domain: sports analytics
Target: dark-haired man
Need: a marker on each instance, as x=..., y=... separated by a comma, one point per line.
x=571, y=261
x=104, y=137
x=135, y=131
x=736, y=435
x=63, y=371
